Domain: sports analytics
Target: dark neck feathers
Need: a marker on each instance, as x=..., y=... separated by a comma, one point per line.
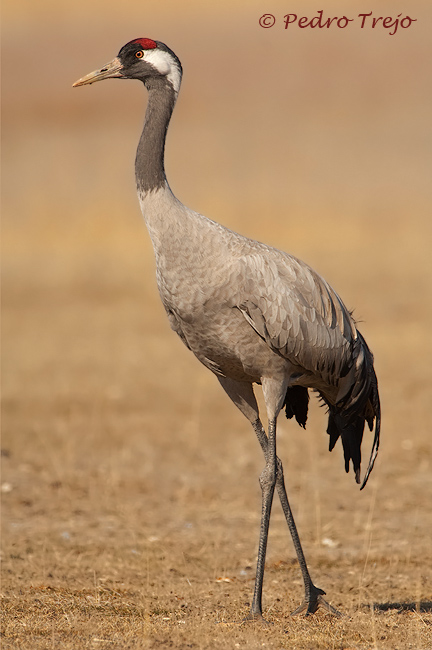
x=149, y=162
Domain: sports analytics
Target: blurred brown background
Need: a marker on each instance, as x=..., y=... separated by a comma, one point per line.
x=315, y=141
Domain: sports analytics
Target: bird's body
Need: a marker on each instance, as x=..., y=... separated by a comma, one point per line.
x=217, y=285
x=250, y=313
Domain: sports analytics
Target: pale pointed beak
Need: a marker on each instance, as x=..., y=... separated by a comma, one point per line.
x=112, y=69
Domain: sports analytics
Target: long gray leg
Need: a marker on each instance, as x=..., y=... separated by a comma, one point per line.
x=267, y=482
x=243, y=397
x=313, y=595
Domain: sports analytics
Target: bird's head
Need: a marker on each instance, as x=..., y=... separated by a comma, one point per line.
x=150, y=61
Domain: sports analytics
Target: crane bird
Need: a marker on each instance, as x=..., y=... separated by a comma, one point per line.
x=250, y=313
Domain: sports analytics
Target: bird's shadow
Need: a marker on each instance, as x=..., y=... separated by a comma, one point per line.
x=422, y=606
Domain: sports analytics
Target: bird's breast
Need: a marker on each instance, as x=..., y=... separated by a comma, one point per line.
x=224, y=342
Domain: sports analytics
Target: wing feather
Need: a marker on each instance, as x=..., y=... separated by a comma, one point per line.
x=297, y=313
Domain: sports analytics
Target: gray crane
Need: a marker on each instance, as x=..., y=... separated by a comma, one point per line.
x=250, y=313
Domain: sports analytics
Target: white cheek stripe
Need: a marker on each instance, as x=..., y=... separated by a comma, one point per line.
x=164, y=65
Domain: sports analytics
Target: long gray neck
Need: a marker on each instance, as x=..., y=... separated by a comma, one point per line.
x=149, y=161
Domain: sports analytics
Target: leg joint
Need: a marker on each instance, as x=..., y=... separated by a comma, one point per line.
x=267, y=478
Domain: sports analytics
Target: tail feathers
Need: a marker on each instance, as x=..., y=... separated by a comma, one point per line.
x=296, y=404
x=359, y=404
x=375, y=446
x=351, y=433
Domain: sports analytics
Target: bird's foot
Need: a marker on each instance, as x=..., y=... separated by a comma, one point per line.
x=256, y=617
x=313, y=601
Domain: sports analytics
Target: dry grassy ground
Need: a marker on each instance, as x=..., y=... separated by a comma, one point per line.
x=129, y=483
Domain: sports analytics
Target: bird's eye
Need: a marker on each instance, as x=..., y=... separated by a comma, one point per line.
x=139, y=54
